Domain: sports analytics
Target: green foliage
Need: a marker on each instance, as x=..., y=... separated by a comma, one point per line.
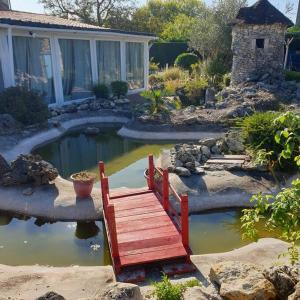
x=186, y=60
x=281, y=212
x=119, y=88
x=173, y=74
x=101, y=91
x=25, y=106
x=274, y=137
x=172, y=86
x=216, y=66
x=226, y=79
x=292, y=76
x=195, y=90
x=157, y=104
x=153, y=67
x=165, y=290
x=294, y=29
x=155, y=80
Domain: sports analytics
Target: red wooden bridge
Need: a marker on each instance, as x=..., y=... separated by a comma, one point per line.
x=144, y=228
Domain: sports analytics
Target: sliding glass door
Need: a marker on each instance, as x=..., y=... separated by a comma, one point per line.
x=75, y=68
x=135, y=65
x=109, y=61
x=33, y=65
x=1, y=77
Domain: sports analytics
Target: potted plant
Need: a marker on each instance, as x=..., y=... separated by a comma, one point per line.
x=157, y=179
x=83, y=183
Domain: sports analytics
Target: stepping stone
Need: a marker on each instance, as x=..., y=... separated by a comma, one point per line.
x=178, y=268
x=132, y=275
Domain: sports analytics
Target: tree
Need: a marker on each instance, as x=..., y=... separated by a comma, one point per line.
x=88, y=11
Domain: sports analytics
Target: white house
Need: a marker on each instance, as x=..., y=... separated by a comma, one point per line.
x=64, y=58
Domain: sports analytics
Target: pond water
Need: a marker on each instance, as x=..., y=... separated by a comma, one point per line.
x=31, y=241
x=28, y=242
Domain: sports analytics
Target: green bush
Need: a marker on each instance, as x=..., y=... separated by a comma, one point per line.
x=194, y=91
x=155, y=80
x=165, y=290
x=292, y=76
x=274, y=138
x=25, y=106
x=215, y=67
x=101, y=91
x=119, y=88
x=226, y=79
x=186, y=60
x=173, y=74
x=293, y=29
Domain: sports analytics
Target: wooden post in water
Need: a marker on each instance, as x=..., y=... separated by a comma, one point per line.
x=112, y=230
x=185, y=220
x=151, y=171
x=166, y=190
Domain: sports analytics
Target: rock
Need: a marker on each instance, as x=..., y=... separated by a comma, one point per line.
x=210, y=97
x=191, y=120
x=4, y=166
x=120, y=291
x=51, y=296
x=70, y=109
x=199, y=171
x=234, y=142
x=8, y=124
x=209, y=142
x=205, y=151
x=190, y=165
x=29, y=169
x=296, y=294
x=241, y=281
x=84, y=106
x=190, y=109
x=284, y=278
x=28, y=192
x=178, y=163
x=181, y=171
x=92, y=131
x=202, y=293
x=215, y=150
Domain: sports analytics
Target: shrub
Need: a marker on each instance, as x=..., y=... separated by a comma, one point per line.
x=226, y=79
x=27, y=107
x=101, y=91
x=173, y=74
x=195, y=90
x=215, y=67
x=172, y=86
x=292, y=76
x=186, y=60
x=165, y=290
x=275, y=138
x=119, y=88
x=295, y=28
x=155, y=80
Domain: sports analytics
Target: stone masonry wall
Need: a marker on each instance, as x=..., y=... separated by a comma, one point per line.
x=249, y=61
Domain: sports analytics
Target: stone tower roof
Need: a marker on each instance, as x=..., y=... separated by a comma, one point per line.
x=261, y=13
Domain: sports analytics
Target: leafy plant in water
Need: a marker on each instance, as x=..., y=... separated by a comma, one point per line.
x=281, y=212
x=165, y=290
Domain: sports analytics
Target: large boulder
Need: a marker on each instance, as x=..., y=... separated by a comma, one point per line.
x=51, y=296
x=234, y=142
x=202, y=293
x=4, y=166
x=120, y=291
x=296, y=294
x=29, y=169
x=284, y=278
x=241, y=281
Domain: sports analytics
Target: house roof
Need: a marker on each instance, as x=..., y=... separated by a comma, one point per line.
x=261, y=13
x=27, y=19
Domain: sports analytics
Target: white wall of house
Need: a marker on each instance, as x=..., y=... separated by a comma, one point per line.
x=67, y=63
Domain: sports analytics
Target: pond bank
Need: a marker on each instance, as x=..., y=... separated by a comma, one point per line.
x=85, y=283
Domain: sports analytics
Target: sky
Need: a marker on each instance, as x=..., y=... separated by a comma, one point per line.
x=34, y=6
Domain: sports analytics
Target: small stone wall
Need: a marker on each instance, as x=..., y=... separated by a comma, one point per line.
x=248, y=60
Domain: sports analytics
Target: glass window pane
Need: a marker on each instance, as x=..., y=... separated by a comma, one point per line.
x=76, y=68
x=109, y=61
x=135, y=65
x=1, y=78
x=33, y=65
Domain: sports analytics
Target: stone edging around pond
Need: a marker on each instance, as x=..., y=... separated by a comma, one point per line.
x=168, y=135
x=28, y=144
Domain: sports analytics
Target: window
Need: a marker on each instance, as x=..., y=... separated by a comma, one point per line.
x=76, y=68
x=109, y=61
x=260, y=43
x=1, y=78
x=135, y=65
x=33, y=65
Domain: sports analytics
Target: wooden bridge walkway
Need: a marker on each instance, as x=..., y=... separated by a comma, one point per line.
x=144, y=228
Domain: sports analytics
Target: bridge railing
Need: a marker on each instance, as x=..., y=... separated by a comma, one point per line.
x=108, y=212
x=158, y=180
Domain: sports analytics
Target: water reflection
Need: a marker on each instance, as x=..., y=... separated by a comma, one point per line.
x=86, y=230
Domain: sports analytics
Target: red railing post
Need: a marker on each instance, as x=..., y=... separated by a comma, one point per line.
x=185, y=221
x=166, y=190
x=112, y=230
x=151, y=170
x=101, y=175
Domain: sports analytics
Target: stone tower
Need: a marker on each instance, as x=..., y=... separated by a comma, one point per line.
x=258, y=36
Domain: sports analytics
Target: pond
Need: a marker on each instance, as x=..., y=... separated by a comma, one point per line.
x=32, y=241
x=28, y=242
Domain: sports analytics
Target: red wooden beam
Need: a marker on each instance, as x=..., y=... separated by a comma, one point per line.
x=166, y=190
x=185, y=221
x=151, y=171
x=105, y=193
x=101, y=175
x=111, y=219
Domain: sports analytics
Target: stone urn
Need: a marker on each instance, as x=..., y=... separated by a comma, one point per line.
x=83, y=183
